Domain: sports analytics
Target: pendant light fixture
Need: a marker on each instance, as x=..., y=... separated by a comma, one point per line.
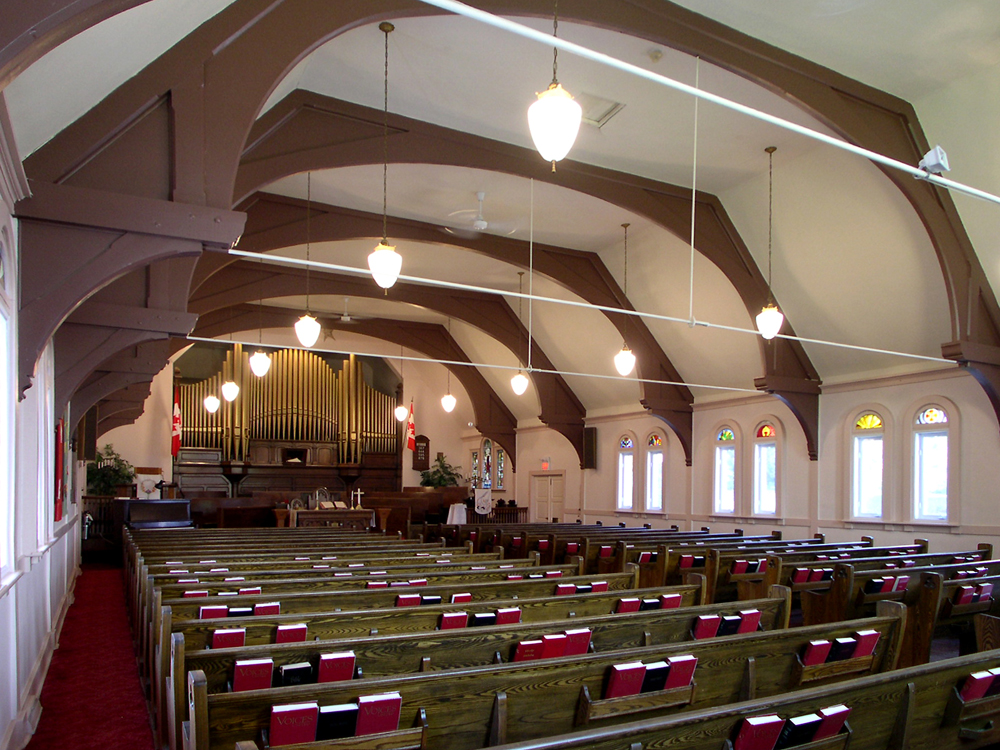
x=260, y=362
x=401, y=411
x=212, y=403
x=519, y=383
x=384, y=262
x=554, y=119
x=448, y=401
x=769, y=319
x=625, y=359
x=230, y=390
x=307, y=328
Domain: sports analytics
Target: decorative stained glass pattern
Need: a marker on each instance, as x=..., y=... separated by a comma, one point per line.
x=766, y=431
x=487, y=465
x=726, y=434
x=932, y=415
x=475, y=469
x=869, y=421
x=655, y=441
x=625, y=443
x=501, y=465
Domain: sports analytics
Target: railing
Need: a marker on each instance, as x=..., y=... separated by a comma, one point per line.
x=101, y=509
x=501, y=515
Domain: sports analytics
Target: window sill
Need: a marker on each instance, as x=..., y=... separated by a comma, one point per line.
x=888, y=525
x=7, y=582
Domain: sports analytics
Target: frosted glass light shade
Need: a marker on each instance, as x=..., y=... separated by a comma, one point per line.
x=212, y=403
x=769, y=321
x=448, y=402
x=519, y=383
x=230, y=390
x=385, y=264
x=554, y=121
x=260, y=363
x=307, y=329
x=402, y=413
x=624, y=360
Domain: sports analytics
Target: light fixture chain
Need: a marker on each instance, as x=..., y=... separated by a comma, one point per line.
x=625, y=285
x=770, y=203
x=260, y=308
x=385, y=142
x=308, y=233
x=555, y=50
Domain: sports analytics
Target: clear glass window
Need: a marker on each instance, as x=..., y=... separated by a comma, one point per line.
x=765, y=494
x=654, y=480
x=625, y=480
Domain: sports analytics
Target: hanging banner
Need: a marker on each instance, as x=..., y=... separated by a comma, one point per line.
x=484, y=501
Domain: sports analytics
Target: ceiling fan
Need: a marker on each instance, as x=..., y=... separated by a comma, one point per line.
x=469, y=223
x=346, y=317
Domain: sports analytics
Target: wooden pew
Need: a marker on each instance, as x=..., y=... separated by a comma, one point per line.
x=726, y=585
x=473, y=707
x=403, y=653
x=917, y=708
x=178, y=636
x=781, y=570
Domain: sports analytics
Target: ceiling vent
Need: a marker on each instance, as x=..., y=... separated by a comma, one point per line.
x=598, y=111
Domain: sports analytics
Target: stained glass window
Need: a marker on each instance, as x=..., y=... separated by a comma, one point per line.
x=626, y=443
x=726, y=434
x=932, y=415
x=501, y=461
x=487, y=465
x=475, y=469
x=655, y=441
x=869, y=421
x=766, y=431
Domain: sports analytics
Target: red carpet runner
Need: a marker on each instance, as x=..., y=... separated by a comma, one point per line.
x=92, y=697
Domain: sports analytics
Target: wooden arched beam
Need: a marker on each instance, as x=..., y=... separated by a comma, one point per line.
x=135, y=365
x=76, y=241
x=275, y=221
x=493, y=419
x=219, y=77
x=145, y=305
x=244, y=282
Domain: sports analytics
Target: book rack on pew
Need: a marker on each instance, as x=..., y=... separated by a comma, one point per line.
x=838, y=742
x=803, y=674
x=414, y=738
x=595, y=710
x=977, y=720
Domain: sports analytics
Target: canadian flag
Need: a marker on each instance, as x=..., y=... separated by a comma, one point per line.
x=175, y=434
x=411, y=432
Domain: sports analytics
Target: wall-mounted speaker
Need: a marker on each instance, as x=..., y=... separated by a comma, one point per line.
x=589, y=448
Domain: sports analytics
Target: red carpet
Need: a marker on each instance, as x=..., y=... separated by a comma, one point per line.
x=92, y=697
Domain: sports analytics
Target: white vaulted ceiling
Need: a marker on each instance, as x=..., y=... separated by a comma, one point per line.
x=852, y=261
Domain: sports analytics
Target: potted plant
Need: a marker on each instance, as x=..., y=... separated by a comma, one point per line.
x=441, y=474
x=108, y=472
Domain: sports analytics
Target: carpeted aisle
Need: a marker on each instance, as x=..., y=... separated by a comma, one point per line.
x=92, y=697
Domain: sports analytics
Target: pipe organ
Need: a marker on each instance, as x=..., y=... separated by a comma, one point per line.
x=302, y=399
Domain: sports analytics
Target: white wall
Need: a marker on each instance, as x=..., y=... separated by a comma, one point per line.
x=146, y=442
x=425, y=384
x=813, y=495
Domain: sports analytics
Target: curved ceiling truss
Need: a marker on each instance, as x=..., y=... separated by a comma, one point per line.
x=217, y=80
x=245, y=281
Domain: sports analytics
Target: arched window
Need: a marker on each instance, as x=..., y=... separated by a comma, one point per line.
x=930, y=464
x=487, y=474
x=725, y=472
x=765, y=470
x=626, y=473
x=475, y=469
x=654, y=473
x=867, y=450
